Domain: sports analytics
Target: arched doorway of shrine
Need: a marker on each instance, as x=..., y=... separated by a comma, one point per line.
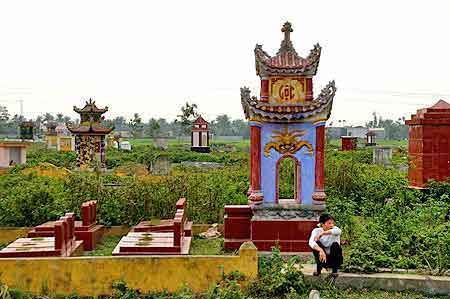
x=288, y=180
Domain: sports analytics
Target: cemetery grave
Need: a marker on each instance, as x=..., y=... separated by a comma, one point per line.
x=172, y=236
x=86, y=230
x=62, y=243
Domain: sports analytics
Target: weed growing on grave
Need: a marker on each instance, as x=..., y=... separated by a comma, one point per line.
x=278, y=278
x=231, y=287
x=106, y=246
x=4, y=292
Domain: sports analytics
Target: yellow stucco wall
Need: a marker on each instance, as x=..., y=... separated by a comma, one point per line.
x=94, y=275
x=9, y=234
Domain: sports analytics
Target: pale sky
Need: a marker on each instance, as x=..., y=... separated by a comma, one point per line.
x=150, y=57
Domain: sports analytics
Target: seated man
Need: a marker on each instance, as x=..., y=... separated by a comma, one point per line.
x=325, y=241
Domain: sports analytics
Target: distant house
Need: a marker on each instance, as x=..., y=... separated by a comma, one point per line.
x=335, y=132
x=124, y=132
x=359, y=132
x=13, y=152
x=380, y=133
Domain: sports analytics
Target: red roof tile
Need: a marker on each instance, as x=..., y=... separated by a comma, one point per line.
x=200, y=121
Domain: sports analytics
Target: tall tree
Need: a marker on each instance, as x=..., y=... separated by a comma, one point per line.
x=222, y=125
x=4, y=114
x=153, y=128
x=119, y=122
x=137, y=126
x=240, y=128
x=48, y=118
x=66, y=119
x=187, y=117
x=59, y=117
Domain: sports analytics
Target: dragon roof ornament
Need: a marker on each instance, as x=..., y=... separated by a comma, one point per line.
x=287, y=61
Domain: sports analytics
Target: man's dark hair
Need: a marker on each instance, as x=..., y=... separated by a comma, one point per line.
x=324, y=218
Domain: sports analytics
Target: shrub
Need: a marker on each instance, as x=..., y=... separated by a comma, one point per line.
x=277, y=278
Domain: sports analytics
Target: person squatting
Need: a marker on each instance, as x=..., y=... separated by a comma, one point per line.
x=325, y=241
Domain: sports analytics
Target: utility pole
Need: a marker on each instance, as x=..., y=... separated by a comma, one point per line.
x=21, y=106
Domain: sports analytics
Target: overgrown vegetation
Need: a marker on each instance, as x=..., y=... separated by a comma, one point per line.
x=32, y=199
x=385, y=223
x=105, y=247
x=207, y=247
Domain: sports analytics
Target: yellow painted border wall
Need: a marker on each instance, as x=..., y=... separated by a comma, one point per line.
x=92, y=276
x=9, y=234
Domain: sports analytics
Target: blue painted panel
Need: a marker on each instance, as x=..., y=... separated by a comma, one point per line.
x=307, y=162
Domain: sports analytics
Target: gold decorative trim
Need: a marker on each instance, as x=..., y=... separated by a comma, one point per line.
x=286, y=142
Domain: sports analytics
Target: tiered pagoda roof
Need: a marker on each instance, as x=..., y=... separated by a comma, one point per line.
x=287, y=61
x=318, y=109
x=90, y=120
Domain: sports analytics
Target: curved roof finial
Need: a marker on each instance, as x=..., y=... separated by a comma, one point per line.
x=287, y=29
x=286, y=44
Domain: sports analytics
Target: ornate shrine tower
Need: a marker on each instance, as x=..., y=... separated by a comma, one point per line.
x=90, y=137
x=286, y=123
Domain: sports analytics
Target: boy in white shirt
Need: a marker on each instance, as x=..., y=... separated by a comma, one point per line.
x=325, y=241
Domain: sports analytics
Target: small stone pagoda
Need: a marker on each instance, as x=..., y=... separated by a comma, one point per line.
x=286, y=124
x=200, y=136
x=90, y=137
x=429, y=145
x=27, y=130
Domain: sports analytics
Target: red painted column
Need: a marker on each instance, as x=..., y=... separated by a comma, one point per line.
x=255, y=164
x=319, y=195
x=264, y=90
x=309, y=89
x=85, y=214
x=59, y=235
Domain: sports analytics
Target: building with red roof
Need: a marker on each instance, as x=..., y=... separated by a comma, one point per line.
x=200, y=136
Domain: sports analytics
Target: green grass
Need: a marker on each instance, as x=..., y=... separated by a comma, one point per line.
x=2, y=246
x=106, y=247
x=201, y=246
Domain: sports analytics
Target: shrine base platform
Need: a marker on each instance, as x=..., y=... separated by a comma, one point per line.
x=155, y=243
x=287, y=226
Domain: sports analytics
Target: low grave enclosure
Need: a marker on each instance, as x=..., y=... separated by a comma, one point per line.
x=86, y=230
x=61, y=243
x=171, y=236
